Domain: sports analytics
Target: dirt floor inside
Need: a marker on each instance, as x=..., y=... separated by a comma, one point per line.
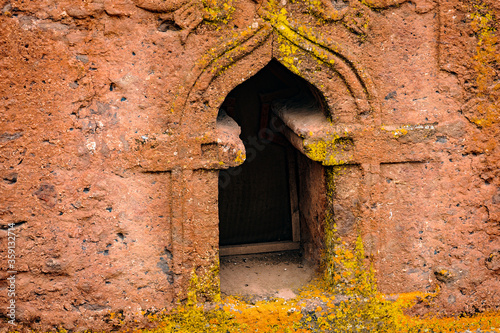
x=264, y=276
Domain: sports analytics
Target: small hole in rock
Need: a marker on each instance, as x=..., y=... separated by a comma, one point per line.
x=168, y=25
x=11, y=178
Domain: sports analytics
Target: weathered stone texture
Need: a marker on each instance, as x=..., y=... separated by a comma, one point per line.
x=109, y=153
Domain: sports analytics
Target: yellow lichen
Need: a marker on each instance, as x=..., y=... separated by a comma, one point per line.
x=344, y=270
x=329, y=152
x=218, y=11
x=487, y=57
x=353, y=305
x=207, y=286
x=240, y=157
x=347, y=291
x=399, y=132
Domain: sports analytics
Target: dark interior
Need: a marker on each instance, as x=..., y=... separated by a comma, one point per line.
x=254, y=198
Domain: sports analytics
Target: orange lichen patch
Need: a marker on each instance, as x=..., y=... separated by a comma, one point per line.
x=369, y=314
x=336, y=313
x=241, y=157
x=190, y=319
x=487, y=56
x=344, y=299
x=266, y=316
x=489, y=322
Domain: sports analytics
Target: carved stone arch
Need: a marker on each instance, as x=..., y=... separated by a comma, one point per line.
x=348, y=90
x=296, y=48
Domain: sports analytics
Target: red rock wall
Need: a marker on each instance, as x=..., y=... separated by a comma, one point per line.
x=312, y=206
x=108, y=118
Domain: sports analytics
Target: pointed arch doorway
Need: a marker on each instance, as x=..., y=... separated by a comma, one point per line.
x=260, y=201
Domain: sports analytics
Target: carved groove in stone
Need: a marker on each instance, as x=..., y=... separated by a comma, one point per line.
x=335, y=57
x=379, y=4
x=326, y=10
x=160, y=6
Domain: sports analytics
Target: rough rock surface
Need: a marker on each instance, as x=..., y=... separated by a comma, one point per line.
x=109, y=153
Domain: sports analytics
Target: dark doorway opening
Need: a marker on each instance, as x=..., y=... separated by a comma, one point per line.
x=254, y=206
x=259, y=209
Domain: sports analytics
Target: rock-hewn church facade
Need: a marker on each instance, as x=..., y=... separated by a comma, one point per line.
x=142, y=138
